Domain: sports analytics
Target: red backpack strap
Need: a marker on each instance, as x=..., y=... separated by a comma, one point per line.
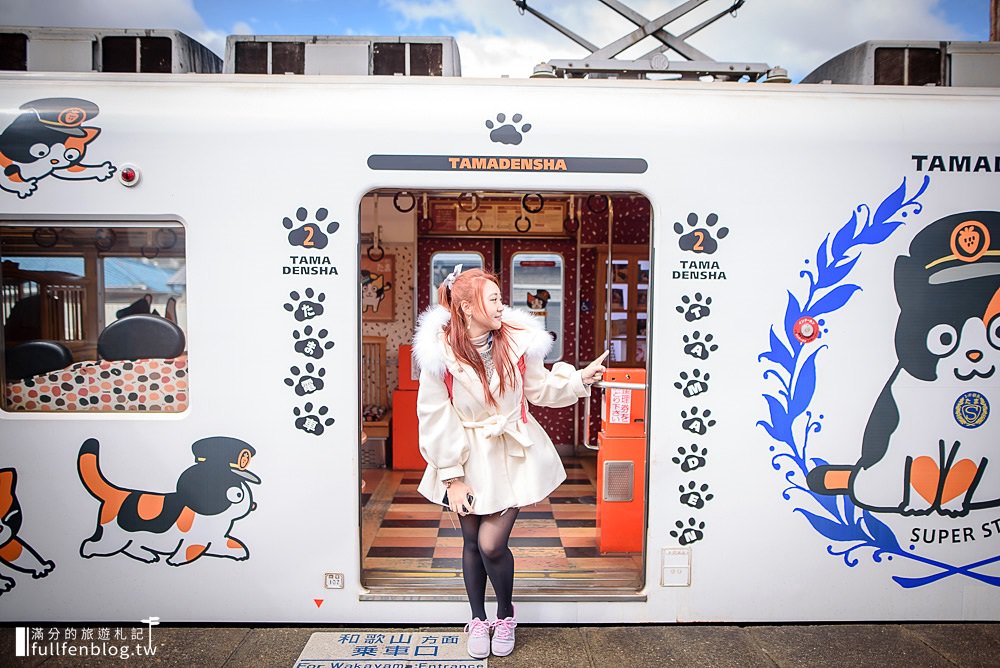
x=521, y=366
x=449, y=381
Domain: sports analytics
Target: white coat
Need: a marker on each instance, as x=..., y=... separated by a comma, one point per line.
x=507, y=462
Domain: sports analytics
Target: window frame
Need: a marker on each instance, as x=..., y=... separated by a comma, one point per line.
x=558, y=351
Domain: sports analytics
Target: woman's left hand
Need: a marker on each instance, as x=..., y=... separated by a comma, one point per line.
x=594, y=371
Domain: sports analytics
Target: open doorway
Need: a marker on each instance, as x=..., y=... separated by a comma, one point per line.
x=579, y=262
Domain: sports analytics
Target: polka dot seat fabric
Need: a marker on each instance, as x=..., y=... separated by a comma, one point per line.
x=151, y=385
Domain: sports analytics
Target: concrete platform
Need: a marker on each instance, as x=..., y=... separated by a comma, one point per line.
x=715, y=646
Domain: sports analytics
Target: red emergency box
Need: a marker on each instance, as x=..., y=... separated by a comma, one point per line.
x=623, y=412
x=408, y=380
x=405, y=445
x=621, y=507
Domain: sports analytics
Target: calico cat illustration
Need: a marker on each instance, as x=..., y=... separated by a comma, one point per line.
x=373, y=289
x=14, y=552
x=537, y=301
x=194, y=520
x=48, y=138
x=932, y=443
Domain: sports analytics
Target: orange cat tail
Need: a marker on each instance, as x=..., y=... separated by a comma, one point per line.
x=830, y=479
x=8, y=478
x=111, y=497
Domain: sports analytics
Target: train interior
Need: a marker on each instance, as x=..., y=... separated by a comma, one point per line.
x=94, y=316
x=580, y=263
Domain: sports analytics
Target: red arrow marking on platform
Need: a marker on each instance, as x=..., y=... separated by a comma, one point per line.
x=318, y=602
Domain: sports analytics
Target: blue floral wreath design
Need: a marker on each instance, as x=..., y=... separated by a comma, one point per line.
x=794, y=367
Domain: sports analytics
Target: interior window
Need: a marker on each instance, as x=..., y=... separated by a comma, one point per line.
x=536, y=283
x=444, y=263
x=93, y=318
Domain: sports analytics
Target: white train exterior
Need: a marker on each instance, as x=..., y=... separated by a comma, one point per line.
x=850, y=294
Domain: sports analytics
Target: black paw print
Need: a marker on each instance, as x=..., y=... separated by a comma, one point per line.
x=309, y=235
x=695, y=383
x=305, y=384
x=313, y=346
x=314, y=424
x=697, y=424
x=690, y=461
x=691, y=533
x=700, y=239
x=694, y=308
x=696, y=347
x=507, y=133
x=695, y=496
x=305, y=309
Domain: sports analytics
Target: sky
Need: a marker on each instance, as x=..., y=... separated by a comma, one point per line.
x=495, y=39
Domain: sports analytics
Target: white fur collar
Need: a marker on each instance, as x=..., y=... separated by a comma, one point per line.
x=429, y=351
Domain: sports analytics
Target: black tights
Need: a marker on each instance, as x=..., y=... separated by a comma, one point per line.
x=485, y=553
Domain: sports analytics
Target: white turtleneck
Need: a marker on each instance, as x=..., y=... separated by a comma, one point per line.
x=484, y=346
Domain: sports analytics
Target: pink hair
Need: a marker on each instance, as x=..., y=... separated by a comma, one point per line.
x=470, y=286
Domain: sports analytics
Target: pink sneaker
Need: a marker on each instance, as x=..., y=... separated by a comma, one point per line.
x=479, y=638
x=503, y=636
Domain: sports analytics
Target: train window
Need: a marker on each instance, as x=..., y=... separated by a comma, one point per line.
x=426, y=59
x=13, y=51
x=444, y=263
x=388, y=58
x=536, y=283
x=93, y=318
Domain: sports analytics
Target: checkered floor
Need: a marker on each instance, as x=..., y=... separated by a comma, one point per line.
x=403, y=532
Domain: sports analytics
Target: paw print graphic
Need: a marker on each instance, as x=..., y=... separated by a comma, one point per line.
x=314, y=424
x=695, y=496
x=312, y=346
x=689, y=533
x=700, y=239
x=305, y=309
x=697, y=424
x=694, y=308
x=507, y=133
x=690, y=460
x=694, y=384
x=306, y=384
x=697, y=347
x=309, y=235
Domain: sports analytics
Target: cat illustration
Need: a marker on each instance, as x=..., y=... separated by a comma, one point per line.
x=194, y=520
x=373, y=289
x=14, y=552
x=48, y=138
x=537, y=301
x=931, y=443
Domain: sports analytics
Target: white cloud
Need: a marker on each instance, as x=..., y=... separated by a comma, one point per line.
x=172, y=14
x=176, y=14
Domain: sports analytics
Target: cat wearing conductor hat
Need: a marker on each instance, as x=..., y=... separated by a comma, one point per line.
x=48, y=137
x=932, y=442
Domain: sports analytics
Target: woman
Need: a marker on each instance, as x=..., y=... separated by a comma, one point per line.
x=480, y=365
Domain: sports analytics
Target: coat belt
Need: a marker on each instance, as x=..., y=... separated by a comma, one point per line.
x=498, y=426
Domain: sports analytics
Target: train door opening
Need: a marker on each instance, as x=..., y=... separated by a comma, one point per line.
x=579, y=262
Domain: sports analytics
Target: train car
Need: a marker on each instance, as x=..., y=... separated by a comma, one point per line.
x=210, y=284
